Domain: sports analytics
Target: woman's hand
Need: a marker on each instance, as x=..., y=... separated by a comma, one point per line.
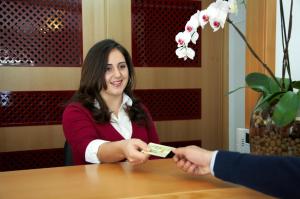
x=132, y=150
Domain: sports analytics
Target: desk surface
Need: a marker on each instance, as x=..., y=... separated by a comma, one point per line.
x=154, y=179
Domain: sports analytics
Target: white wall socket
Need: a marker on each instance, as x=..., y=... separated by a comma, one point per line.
x=242, y=140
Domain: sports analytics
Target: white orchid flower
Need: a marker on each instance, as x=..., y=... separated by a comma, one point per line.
x=191, y=27
x=195, y=19
x=218, y=21
x=233, y=8
x=217, y=13
x=183, y=38
x=203, y=18
x=185, y=52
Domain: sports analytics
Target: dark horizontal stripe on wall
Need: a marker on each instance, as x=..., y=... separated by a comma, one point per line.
x=31, y=159
x=45, y=158
x=21, y=108
x=172, y=104
x=183, y=143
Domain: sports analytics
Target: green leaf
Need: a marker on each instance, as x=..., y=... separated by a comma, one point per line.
x=296, y=84
x=262, y=83
x=261, y=104
x=286, y=109
x=268, y=99
x=232, y=91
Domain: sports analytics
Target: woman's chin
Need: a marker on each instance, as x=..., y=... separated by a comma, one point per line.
x=116, y=92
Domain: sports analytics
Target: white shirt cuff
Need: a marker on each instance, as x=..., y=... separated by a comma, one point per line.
x=212, y=162
x=92, y=150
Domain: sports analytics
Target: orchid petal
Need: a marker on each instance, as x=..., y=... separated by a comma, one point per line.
x=181, y=52
x=195, y=18
x=215, y=25
x=183, y=38
x=203, y=18
x=218, y=12
x=194, y=37
x=191, y=26
x=190, y=53
x=185, y=53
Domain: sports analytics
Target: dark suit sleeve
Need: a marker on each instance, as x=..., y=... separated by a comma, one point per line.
x=276, y=176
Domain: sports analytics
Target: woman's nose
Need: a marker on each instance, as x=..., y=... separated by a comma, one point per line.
x=117, y=72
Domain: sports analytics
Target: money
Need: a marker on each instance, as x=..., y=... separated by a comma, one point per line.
x=158, y=150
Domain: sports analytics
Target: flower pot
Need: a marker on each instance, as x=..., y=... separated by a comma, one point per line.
x=266, y=138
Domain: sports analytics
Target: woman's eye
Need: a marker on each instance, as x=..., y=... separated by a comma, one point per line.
x=108, y=68
x=123, y=66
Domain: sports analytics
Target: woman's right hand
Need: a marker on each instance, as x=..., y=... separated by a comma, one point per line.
x=132, y=150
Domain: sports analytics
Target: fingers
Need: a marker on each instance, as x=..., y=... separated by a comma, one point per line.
x=187, y=166
x=192, y=169
x=179, y=151
x=193, y=160
x=175, y=158
x=140, y=145
x=137, y=161
x=134, y=154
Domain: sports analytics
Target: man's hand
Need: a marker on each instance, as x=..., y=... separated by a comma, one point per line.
x=193, y=159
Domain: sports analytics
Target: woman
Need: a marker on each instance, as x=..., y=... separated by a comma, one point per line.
x=104, y=122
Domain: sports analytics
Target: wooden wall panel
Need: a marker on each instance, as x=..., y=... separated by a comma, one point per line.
x=39, y=78
x=94, y=22
x=261, y=34
x=119, y=21
x=31, y=137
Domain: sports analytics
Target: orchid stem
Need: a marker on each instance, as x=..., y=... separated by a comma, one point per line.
x=254, y=53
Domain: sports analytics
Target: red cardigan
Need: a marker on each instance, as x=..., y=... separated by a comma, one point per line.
x=80, y=129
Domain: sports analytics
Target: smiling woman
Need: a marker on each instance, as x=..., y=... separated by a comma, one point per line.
x=104, y=122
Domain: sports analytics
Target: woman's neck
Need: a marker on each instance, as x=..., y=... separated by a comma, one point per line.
x=113, y=103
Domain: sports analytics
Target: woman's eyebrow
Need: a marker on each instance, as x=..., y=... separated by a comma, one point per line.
x=123, y=62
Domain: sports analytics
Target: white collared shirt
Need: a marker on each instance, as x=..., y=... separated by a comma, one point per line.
x=121, y=123
x=212, y=162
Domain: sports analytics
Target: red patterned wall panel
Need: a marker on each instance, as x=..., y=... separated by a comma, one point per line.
x=31, y=159
x=155, y=23
x=172, y=104
x=40, y=33
x=46, y=107
x=32, y=107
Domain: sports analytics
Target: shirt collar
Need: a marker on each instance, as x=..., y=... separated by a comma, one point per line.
x=127, y=101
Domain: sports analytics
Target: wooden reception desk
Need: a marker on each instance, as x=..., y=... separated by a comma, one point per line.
x=154, y=179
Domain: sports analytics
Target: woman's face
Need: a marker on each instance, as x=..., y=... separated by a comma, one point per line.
x=116, y=75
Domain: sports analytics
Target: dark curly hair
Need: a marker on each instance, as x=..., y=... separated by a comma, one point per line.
x=93, y=81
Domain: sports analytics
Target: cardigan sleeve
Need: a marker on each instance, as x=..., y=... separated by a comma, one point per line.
x=79, y=130
x=273, y=175
x=152, y=133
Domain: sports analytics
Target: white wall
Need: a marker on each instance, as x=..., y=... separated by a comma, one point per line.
x=294, y=42
x=236, y=76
